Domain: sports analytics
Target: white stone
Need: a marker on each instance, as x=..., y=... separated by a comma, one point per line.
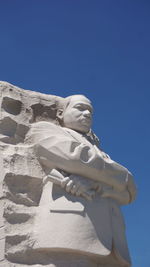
x=60, y=194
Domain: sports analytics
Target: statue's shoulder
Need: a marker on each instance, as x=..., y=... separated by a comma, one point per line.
x=43, y=125
x=42, y=130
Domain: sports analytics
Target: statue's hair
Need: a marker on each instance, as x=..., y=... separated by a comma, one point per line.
x=64, y=102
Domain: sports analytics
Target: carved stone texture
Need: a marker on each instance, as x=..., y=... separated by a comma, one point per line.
x=21, y=174
x=19, y=108
x=60, y=194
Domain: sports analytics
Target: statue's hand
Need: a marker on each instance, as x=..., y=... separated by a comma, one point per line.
x=80, y=186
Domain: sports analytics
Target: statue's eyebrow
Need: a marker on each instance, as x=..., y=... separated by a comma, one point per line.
x=85, y=105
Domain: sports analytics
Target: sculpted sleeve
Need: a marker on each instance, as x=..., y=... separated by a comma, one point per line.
x=56, y=148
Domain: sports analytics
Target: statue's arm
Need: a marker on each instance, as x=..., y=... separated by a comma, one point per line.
x=57, y=149
x=73, y=157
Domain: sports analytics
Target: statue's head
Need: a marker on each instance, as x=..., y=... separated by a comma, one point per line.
x=76, y=113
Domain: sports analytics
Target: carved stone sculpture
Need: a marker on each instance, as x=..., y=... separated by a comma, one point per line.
x=60, y=193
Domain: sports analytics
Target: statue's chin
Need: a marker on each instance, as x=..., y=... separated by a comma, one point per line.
x=82, y=130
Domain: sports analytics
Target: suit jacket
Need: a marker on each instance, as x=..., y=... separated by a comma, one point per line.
x=69, y=223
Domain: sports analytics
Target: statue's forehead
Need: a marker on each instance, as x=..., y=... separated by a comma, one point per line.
x=79, y=100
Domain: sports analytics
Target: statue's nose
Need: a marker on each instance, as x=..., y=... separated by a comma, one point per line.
x=87, y=113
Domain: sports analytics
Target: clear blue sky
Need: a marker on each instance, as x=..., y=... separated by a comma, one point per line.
x=100, y=48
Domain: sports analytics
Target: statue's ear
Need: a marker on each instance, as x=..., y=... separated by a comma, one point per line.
x=59, y=114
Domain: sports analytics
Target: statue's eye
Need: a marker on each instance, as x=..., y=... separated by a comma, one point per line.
x=81, y=108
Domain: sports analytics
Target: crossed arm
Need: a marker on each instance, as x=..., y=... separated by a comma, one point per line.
x=86, y=188
x=56, y=149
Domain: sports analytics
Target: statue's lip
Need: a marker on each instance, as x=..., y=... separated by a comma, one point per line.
x=86, y=120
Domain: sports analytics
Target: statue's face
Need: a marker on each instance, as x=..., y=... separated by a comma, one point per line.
x=78, y=114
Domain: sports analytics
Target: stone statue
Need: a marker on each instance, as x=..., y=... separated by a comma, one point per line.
x=62, y=206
